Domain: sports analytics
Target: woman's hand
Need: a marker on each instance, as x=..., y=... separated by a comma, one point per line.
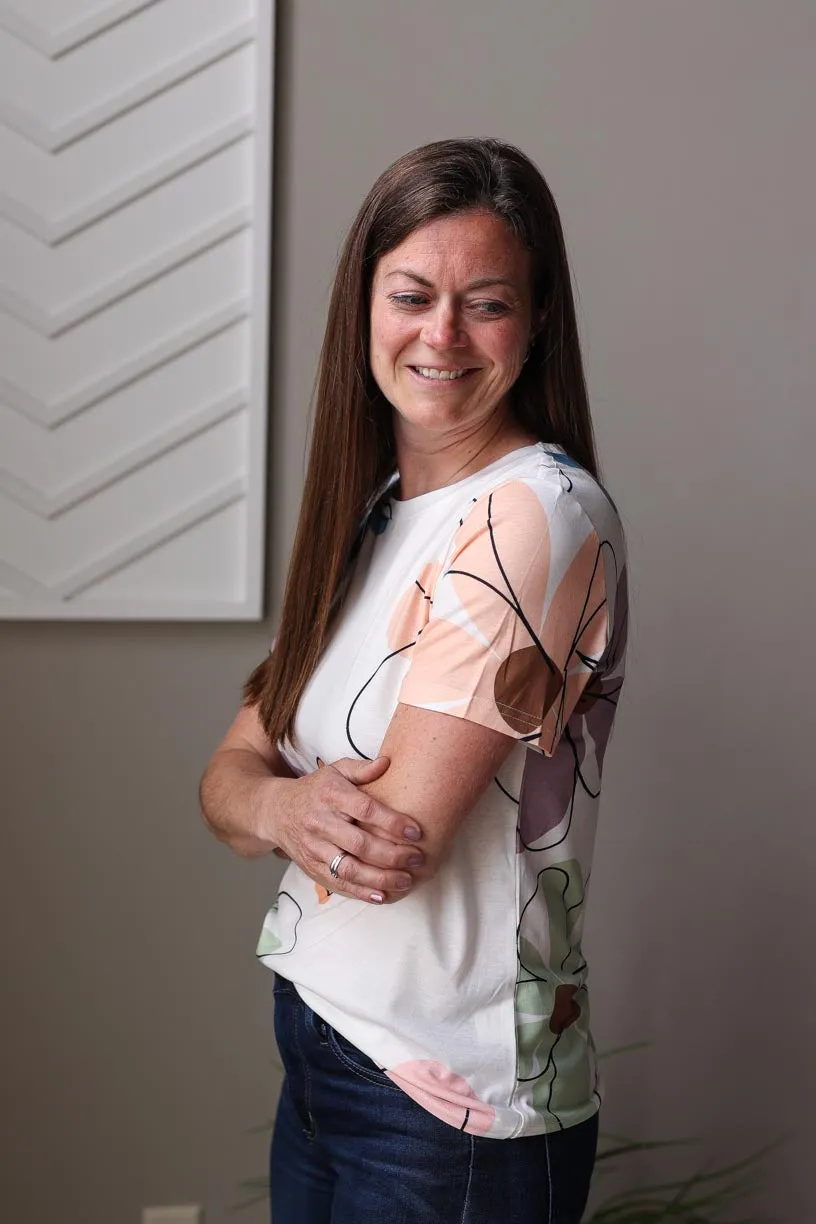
x=255, y=804
x=321, y=818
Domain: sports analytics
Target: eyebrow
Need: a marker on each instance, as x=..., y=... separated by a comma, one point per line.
x=486, y=282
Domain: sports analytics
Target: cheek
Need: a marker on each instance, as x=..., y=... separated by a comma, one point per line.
x=387, y=336
x=507, y=346
x=388, y=343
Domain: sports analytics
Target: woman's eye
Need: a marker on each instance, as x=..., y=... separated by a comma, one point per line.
x=490, y=307
x=409, y=299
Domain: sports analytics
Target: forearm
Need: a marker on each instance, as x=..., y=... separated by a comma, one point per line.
x=253, y=802
x=238, y=791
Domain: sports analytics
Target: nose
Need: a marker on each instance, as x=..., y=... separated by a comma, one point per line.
x=443, y=329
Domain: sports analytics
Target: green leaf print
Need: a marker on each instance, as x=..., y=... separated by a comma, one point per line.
x=552, y=1021
x=267, y=943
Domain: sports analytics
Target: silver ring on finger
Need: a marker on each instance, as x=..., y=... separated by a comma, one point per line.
x=335, y=864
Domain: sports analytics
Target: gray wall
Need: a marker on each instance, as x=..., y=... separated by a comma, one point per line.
x=676, y=138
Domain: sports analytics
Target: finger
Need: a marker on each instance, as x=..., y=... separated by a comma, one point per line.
x=342, y=885
x=370, y=811
x=360, y=772
x=369, y=883
x=369, y=847
x=393, y=824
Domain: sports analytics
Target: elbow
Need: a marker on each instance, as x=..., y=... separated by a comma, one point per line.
x=208, y=806
x=205, y=800
x=435, y=859
x=245, y=847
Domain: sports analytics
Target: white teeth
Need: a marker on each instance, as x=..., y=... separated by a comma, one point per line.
x=428, y=372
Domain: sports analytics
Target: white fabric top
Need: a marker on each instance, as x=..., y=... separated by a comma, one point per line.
x=501, y=599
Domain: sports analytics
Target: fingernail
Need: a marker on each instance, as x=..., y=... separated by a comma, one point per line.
x=412, y=833
x=404, y=883
x=415, y=860
x=377, y=898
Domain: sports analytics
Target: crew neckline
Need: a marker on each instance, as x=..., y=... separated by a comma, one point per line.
x=416, y=505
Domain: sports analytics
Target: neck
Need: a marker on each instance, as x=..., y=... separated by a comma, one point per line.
x=428, y=463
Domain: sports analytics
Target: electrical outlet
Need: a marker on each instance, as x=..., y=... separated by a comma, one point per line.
x=190, y=1214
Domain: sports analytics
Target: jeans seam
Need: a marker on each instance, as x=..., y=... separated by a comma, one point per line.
x=549, y=1178
x=466, y=1204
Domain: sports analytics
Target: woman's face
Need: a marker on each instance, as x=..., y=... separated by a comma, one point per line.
x=451, y=320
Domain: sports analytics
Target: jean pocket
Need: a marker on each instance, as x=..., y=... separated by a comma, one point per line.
x=356, y=1061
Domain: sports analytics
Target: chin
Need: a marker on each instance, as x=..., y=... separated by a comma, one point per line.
x=430, y=418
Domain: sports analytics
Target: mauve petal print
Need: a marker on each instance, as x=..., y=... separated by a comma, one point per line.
x=600, y=714
x=546, y=792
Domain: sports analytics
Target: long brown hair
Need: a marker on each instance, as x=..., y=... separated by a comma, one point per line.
x=352, y=448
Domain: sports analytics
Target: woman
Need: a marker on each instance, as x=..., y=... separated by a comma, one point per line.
x=452, y=639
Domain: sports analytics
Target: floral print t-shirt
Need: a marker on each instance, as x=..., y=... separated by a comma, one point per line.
x=501, y=599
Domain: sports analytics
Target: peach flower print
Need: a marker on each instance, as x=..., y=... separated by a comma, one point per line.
x=576, y=627
x=413, y=607
x=517, y=652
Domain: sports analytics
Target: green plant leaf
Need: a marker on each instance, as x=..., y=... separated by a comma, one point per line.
x=257, y=1188
x=264, y=1128
x=747, y=1164
x=627, y=1147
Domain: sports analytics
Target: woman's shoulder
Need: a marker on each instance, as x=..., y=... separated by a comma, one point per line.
x=543, y=491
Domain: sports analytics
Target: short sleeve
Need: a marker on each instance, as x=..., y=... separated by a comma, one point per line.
x=517, y=620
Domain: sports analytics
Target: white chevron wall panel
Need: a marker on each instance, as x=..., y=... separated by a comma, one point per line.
x=135, y=197
x=52, y=30
x=53, y=196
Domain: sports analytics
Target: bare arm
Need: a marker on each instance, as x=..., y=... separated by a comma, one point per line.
x=532, y=585
x=440, y=765
x=251, y=800
x=240, y=783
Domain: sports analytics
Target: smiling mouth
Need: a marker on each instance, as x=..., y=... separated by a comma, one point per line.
x=431, y=374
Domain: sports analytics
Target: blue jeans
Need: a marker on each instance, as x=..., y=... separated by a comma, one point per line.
x=349, y=1147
